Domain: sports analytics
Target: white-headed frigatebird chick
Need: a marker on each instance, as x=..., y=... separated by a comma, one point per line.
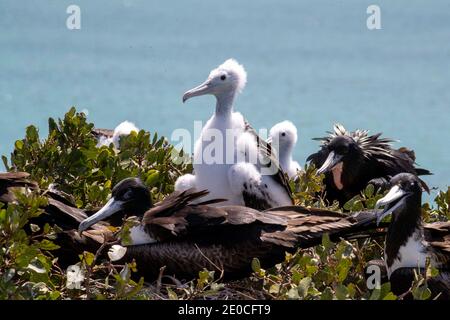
x=409, y=243
x=352, y=160
x=283, y=138
x=105, y=136
x=225, y=127
x=187, y=237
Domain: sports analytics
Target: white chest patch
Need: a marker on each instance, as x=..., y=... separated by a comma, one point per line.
x=214, y=157
x=337, y=175
x=411, y=255
x=139, y=236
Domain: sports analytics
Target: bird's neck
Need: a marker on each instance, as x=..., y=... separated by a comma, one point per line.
x=285, y=159
x=405, y=224
x=224, y=105
x=139, y=235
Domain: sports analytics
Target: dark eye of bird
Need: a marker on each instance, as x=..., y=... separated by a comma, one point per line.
x=283, y=134
x=223, y=77
x=341, y=150
x=127, y=195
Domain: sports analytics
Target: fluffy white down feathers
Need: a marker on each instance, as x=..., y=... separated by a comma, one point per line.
x=283, y=137
x=223, y=178
x=123, y=129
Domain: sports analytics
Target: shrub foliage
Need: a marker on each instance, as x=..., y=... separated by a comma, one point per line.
x=69, y=159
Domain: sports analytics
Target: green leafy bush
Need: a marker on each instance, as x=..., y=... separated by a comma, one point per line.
x=70, y=159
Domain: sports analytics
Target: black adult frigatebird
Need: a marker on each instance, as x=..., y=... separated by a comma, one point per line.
x=351, y=160
x=187, y=237
x=409, y=243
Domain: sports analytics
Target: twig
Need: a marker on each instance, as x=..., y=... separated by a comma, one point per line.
x=158, y=281
x=210, y=261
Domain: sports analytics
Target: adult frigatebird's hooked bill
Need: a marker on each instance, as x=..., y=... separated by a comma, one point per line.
x=187, y=237
x=351, y=160
x=408, y=242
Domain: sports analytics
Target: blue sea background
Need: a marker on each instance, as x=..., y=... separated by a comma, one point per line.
x=313, y=62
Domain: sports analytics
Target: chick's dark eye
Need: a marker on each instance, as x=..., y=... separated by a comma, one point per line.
x=223, y=77
x=283, y=134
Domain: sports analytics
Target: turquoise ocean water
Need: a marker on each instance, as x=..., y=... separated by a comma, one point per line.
x=313, y=62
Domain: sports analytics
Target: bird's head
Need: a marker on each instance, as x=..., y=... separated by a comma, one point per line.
x=123, y=129
x=283, y=135
x=406, y=189
x=340, y=149
x=228, y=78
x=130, y=197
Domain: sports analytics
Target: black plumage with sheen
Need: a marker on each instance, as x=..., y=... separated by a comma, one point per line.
x=351, y=160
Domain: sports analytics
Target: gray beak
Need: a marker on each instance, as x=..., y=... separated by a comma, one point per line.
x=394, y=194
x=332, y=160
x=111, y=207
x=200, y=90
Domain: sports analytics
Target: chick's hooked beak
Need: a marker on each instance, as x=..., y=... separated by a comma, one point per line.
x=200, y=90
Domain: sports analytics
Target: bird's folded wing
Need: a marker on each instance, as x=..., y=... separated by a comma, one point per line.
x=306, y=226
x=266, y=152
x=107, y=133
x=10, y=181
x=437, y=234
x=177, y=217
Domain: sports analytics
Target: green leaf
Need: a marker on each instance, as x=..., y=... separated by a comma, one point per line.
x=54, y=295
x=370, y=190
x=256, y=265
x=32, y=134
x=2, y=215
x=296, y=277
x=353, y=204
x=432, y=271
x=293, y=294
x=343, y=268
x=390, y=296
x=275, y=288
x=5, y=163
x=341, y=292
x=52, y=126
x=326, y=242
x=421, y=293
x=375, y=295
x=172, y=295
x=351, y=290
x=48, y=245
x=327, y=294
x=303, y=287
x=19, y=144
x=152, y=178
x=89, y=258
